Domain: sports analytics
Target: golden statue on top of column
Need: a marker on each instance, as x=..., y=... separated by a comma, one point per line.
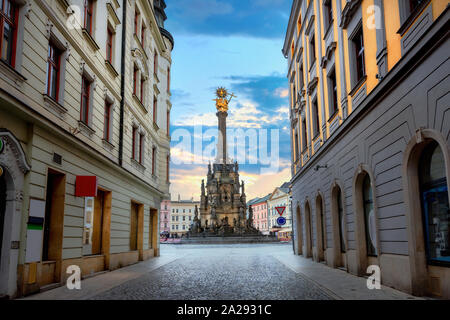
x=222, y=100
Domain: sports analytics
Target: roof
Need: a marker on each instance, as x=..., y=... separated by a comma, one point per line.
x=253, y=201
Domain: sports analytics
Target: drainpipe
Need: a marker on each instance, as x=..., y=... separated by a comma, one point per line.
x=122, y=79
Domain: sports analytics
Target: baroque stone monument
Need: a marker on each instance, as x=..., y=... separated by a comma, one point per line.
x=223, y=202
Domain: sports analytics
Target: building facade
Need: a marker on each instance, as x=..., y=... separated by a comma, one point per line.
x=280, y=198
x=370, y=138
x=260, y=214
x=164, y=218
x=84, y=136
x=182, y=216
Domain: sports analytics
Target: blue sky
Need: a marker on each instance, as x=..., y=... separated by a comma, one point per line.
x=236, y=44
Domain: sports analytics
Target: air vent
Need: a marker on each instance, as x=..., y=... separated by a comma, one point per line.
x=57, y=158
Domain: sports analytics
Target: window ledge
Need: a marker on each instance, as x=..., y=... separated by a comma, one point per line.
x=139, y=102
x=55, y=105
x=90, y=39
x=137, y=165
x=85, y=129
x=155, y=126
x=357, y=86
x=333, y=115
x=412, y=17
x=11, y=73
x=108, y=145
x=111, y=68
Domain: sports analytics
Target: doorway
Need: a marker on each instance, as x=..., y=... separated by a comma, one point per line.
x=54, y=222
x=2, y=207
x=136, y=229
x=153, y=232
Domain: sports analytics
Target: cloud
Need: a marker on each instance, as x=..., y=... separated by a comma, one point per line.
x=282, y=92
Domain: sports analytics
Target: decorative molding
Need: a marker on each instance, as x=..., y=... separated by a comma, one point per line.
x=349, y=10
x=16, y=154
x=330, y=49
x=90, y=40
x=312, y=84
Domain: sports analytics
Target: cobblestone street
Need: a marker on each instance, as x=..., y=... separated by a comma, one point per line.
x=228, y=272
x=220, y=272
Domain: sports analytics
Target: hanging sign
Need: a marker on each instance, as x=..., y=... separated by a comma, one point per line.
x=1, y=171
x=86, y=186
x=2, y=145
x=280, y=210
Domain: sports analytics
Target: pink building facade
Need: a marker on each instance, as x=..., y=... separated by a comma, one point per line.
x=165, y=217
x=260, y=213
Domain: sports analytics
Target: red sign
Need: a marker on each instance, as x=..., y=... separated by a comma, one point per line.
x=280, y=210
x=86, y=186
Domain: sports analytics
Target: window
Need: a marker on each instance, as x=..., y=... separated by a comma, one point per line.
x=312, y=50
x=136, y=21
x=328, y=14
x=85, y=100
x=299, y=23
x=143, y=34
x=155, y=109
x=109, y=45
x=155, y=63
x=294, y=91
x=53, y=67
x=412, y=5
x=168, y=122
x=297, y=151
x=135, y=75
x=141, y=96
x=173, y=218
x=154, y=161
x=358, y=45
x=133, y=142
x=141, y=148
x=332, y=89
x=340, y=220
x=168, y=168
x=435, y=204
x=300, y=78
x=88, y=14
x=107, y=121
x=8, y=31
x=315, y=113
x=168, y=80
x=369, y=217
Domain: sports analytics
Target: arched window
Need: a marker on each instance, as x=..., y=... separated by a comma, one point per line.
x=435, y=204
x=369, y=217
x=341, y=220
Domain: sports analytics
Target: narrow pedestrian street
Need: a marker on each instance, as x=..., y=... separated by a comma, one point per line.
x=239, y=271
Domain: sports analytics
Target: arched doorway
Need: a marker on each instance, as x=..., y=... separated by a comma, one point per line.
x=13, y=168
x=435, y=205
x=308, y=231
x=366, y=220
x=338, y=220
x=320, y=227
x=2, y=206
x=299, y=231
x=425, y=174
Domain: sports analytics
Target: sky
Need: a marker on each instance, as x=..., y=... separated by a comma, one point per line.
x=235, y=44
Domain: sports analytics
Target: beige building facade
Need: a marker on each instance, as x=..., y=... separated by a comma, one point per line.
x=84, y=128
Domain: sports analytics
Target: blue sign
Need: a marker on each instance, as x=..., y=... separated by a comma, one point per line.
x=281, y=221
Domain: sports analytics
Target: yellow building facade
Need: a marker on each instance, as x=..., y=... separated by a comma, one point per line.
x=368, y=82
